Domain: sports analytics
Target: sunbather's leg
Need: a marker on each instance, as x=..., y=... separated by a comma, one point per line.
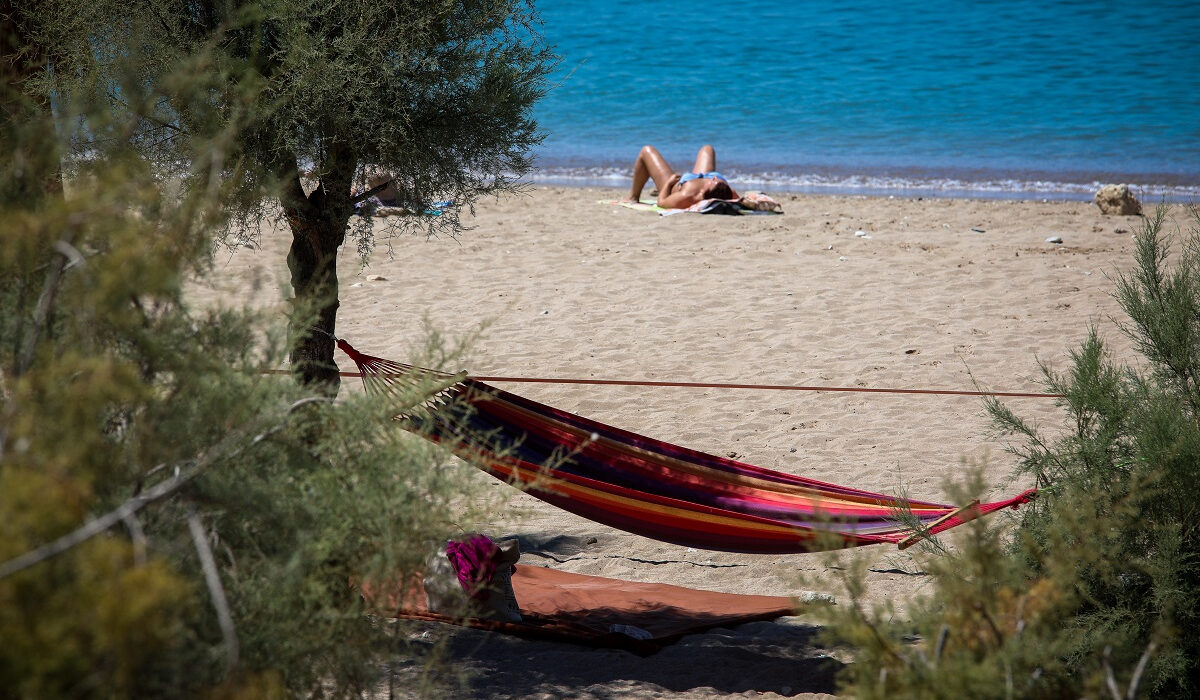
x=706, y=160
x=649, y=164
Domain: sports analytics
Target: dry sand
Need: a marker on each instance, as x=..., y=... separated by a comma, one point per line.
x=938, y=293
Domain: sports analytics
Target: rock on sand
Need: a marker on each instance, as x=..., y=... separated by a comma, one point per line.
x=1117, y=199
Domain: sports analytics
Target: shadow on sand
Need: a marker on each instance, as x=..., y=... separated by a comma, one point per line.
x=783, y=657
x=759, y=657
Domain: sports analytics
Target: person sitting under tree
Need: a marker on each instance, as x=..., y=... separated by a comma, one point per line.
x=676, y=191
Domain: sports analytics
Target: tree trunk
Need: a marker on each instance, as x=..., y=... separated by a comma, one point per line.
x=312, y=260
x=318, y=222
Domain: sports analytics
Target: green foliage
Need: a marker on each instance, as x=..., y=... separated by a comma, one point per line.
x=437, y=94
x=1096, y=592
x=148, y=429
x=321, y=96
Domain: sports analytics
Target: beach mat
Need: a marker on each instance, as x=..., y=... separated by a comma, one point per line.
x=759, y=204
x=602, y=612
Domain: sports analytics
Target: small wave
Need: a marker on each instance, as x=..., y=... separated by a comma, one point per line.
x=871, y=184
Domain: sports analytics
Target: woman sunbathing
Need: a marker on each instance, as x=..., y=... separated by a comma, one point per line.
x=677, y=191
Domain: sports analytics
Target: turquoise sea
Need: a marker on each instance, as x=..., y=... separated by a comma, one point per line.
x=1016, y=98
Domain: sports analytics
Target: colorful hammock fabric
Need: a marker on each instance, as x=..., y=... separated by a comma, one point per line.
x=646, y=486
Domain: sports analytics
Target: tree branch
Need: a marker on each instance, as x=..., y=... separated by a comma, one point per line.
x=292, y=196
x=374, y=190
x=68, y=257
x=1137, y=672
x=133, y=505
x=138, y=537
x=1109, y=680
x=215, y=590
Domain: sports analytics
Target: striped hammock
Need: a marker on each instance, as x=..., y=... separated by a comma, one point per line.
x=645, y=486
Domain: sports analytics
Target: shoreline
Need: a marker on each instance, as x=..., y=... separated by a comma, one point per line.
x=946, y=183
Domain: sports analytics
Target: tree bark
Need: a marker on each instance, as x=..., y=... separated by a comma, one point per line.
x=312, y=260
x=318, y=222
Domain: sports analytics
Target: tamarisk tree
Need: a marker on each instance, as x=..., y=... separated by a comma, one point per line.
x=436, y=94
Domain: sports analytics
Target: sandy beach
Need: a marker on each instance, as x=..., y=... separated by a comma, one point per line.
x=839, y=291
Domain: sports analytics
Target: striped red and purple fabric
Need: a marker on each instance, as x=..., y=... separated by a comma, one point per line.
x=646, y=486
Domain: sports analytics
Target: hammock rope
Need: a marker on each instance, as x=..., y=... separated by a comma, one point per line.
x=774, y=387
x=646, y=486
x=732, y=385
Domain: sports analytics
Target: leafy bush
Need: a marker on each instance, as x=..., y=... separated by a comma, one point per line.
x=173, y=521
x=1095, y=593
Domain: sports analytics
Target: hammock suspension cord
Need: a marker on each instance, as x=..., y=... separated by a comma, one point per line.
x=718, y=385
x=774, y=387
x=730, y=385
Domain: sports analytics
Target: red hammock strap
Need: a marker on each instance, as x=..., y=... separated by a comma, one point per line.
x=373, y=368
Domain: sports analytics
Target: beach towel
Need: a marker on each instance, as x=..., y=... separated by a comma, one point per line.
x=749, y=203
x=593, y=610
x=376, y=207
x=644, y=205
x=710, y=206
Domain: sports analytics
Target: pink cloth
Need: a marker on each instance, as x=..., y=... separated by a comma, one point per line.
x=474, y=562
